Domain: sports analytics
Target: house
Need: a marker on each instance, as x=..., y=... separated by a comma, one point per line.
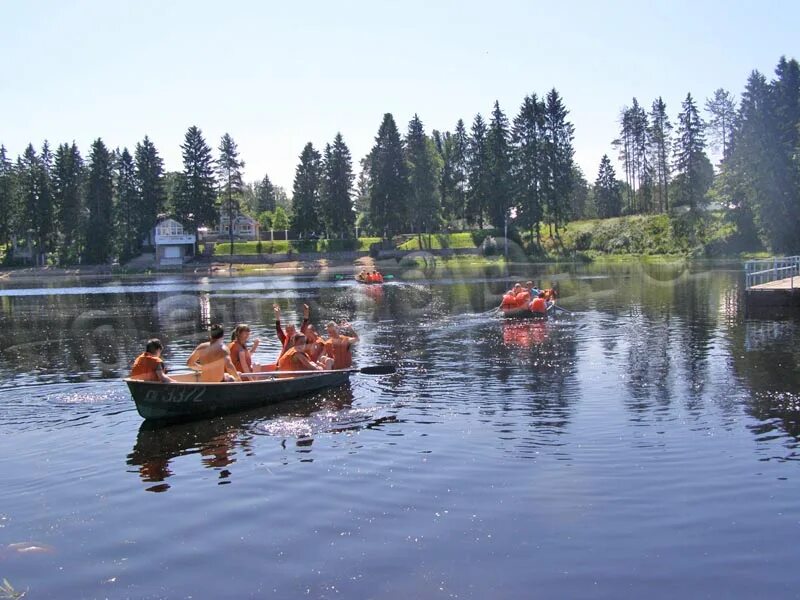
x=171, y=243
x=245, y=228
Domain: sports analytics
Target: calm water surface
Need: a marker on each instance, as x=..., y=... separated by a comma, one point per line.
x=645, y=446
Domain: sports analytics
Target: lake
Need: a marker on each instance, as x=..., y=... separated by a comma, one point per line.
x=644, y=446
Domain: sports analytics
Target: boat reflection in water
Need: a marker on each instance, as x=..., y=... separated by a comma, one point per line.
x=218, y=441
x=525, y=334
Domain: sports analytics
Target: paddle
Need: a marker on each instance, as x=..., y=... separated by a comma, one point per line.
x=373, y=370
x=557, y=307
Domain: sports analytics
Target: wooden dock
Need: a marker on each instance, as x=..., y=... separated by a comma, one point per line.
x=768, y=289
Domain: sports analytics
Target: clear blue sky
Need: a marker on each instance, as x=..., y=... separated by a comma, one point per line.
x=276, y=75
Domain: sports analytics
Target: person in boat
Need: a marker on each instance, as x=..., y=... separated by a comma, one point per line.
x=315, y=348
x=512, y=298
x=212, y=359
x=362, y=276
x=338, y=346
x=377, y=277
x=295, y=358
x=149, y=366
x=532, y=290
x=241, y=354
x=538, y=307
x=285, y=337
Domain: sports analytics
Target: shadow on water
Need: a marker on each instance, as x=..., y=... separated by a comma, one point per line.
x=220, y=440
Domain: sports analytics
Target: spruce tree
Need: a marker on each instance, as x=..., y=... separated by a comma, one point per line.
x=306, y=193
x=99, y=202
x=478, y=173
x=68, y=191
x=528, y=164
x=265, y=196
x=336, y=202
x=150, y=186
x=424, y=199
x=459, y=155
x=229, y=170
x=690, y=161
x=128, y=217
x=499, y=154
x=195, y=202
x=607, y=196
x=7, y=197
x=558, y=150
x=389, y=190
x=36, y=202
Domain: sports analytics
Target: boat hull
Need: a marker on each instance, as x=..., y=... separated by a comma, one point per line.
x=187, y=400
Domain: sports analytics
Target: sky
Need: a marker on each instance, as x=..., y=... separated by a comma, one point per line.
x=276, y=75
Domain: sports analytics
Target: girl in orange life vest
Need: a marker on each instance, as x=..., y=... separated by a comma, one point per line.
x=149, y=366
x=295, y=358
x=315, y=348
x=339, y=347
x=241, y=355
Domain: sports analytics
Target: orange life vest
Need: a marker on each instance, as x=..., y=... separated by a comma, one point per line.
x=522, y=298
x=314, y=350
x=378, y=278
x=539, y=305
x=145, y=367
x=339, y=350
x=235, y=348
x=509, y=301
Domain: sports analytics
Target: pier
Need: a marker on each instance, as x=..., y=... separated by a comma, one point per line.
x=772, y=284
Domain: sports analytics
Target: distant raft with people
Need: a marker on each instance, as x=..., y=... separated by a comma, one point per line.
x=528, y=302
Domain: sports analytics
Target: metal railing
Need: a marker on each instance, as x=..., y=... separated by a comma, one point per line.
x=758, y=272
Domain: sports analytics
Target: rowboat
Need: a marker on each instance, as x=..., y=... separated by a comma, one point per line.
x=523, y=312
x=187, y=397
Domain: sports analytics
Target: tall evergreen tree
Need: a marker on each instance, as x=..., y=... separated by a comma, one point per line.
x=389, y=190
x=690, y=160
x=265, y=196
x=443, y=145
x=660, y=143
x=306, y=193
x=195, y=202
x=459, y=155
x=336, y=205
x=497, y=143
x=128, y=211
x=528, y=164
x=150, y=187
x=607, y=196
x=36, y=202
x=722, y=111
x=559, y=134
x=7, y=197
x=229, y=170
x=423, y=168
x=478, y=173
x=99, y=202
x=68, y=190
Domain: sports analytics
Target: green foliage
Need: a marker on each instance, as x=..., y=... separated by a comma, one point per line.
x=99, y=201
x=68, y=183
x=195, y=202
x=439, y=241
x=128, y=217
x=283, y=247
x=336, y=197
x=694, y=171
x=499, y=167
x=306, y=192
x=478, y=173
x=388, y=186
x=149, y=186
x=423, y=165
x=229, y=171
x=607, y=196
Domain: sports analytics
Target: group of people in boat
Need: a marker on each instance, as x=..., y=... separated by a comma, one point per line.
x=369, y=276
x=528, y=296
x=217, y=360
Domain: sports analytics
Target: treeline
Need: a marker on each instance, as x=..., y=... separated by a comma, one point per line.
x=757, y=181
x=520, y=172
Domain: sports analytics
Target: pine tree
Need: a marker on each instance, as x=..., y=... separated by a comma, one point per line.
x=690, y=160
x=559, y=152
x=443, y=147
x=389, y=189
x=722, y=110
x=607, y=196
x=8, y=207
x=497, y=143
x=265, y=196
x=229, y=170
x=68, y=190
x=528, y=164
x=478, y=173
x=195, y=202
x=128, y=215
x=423, y=166
x=460, y=178
x=660, y=142
x=150, y=186
x=336, y=204
x=99, y=202
x=306, y=193
x=36, y=201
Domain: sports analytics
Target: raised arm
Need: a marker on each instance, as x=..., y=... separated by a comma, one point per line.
x=306, y=317
x=278, y=329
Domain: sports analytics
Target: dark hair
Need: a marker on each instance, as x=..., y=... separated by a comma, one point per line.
x=153, y=345
x=237, y=330
x=216, y=331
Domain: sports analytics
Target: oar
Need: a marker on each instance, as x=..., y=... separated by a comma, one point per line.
x=557, y=307
x=373, y=370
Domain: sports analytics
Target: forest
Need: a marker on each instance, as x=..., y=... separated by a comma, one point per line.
x=519, y=173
